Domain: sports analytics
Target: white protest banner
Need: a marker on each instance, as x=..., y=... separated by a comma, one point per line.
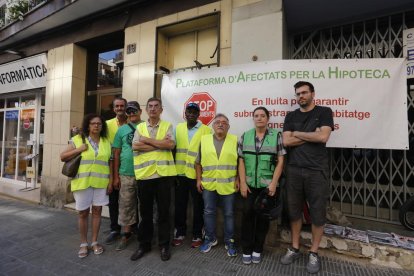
x=408, y=52
x=23, y=74
x=368, y=97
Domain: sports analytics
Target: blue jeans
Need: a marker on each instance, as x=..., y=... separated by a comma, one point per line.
x=210, y=212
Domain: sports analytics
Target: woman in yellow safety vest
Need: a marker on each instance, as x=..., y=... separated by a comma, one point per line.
x=92, y=183
x=260, y=167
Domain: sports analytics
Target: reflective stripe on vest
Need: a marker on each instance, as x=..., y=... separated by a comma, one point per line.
x=157, y=161
x=93, y=171
x=219, y=174
x=186, y=152
x=260, y=175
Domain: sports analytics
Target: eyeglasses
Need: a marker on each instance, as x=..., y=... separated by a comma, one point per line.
x=131, y=112
x=95, y=124
x=303, y=93
x=223, y=123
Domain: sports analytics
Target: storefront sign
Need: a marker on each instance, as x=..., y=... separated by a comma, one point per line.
x=23, y=74
x=408, y=52
x=368, y=97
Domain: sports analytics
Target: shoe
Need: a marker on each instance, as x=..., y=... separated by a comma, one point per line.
x=97, y=248
x=314, y=263
x=247, y=259
x=139, y=253
x=290, y=256
x=83, y=251
x=231, y=248
x=165, y=254
x=207, y=245
x=112, y=237
x=123, y=243
x=178, y=240
x=256, y=258
x=196, y=242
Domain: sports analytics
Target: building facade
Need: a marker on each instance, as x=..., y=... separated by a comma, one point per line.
x=170, y=35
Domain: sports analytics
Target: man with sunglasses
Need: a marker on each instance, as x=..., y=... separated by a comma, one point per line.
x=306, y=132
x=188, y=136
x=123, y=172
x=120, y=119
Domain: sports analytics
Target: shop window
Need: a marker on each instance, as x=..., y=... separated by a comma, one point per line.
x=2, y=105
x=13, y=102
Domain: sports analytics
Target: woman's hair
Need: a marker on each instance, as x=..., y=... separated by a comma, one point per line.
x=262, y=108
x=85, y=125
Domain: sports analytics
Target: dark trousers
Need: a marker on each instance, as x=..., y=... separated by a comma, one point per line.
x=184, y=188
x=114, y=210
x=160, y=189
x=254, y=227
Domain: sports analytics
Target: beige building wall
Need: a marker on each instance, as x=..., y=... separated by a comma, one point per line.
x=239, y=21
x=64, y=107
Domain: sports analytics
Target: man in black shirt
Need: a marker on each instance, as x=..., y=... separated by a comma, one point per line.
x=306, y=131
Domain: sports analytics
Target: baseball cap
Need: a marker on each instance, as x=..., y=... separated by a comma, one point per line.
x=193, y=105
x=133, y=105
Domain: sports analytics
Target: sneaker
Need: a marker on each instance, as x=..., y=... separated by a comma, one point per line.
x=290, y=256
x=196, y=242
x=256, y=258
x=178, y=240
x=207, y=245
x=247, y=259
x=231, y=248
x=314, y=263
x=123, y=243
x=112, y=237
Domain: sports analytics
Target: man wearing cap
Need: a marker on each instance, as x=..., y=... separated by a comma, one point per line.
x=188, y=136
x=123, y=171
x=120, y=119
x=155, y=171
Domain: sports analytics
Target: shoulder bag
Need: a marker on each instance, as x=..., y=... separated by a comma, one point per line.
x=71, y=167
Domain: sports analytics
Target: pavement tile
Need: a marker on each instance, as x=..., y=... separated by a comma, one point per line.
x=37, y=240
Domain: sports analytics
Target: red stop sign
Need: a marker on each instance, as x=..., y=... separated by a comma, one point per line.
x=207, y=106
x=26, y=124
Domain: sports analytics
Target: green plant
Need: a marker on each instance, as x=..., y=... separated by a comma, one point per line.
x=16, y=9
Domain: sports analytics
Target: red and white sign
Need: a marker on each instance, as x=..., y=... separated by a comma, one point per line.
x=207, y=104
x=26, y=124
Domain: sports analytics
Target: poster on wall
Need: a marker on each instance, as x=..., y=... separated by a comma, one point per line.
x=367, y=97
x=408, y=52
x=23, y=74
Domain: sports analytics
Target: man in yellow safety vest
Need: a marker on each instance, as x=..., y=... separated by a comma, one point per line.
x=216, y=169
x=155, y=172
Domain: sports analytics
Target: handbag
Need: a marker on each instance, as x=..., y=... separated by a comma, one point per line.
x=70, y=168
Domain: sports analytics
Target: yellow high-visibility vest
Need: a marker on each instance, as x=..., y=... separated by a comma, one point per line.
x=219, y=174
x=157, y=161
x=186, y=152
x=93, y=171
x=112, y=126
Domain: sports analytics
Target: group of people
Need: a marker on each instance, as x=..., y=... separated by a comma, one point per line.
x=133, y=165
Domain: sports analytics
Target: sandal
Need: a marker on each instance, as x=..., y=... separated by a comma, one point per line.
x=83, y=251
x=97, y=248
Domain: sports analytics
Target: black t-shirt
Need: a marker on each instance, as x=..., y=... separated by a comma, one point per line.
x=309, y=155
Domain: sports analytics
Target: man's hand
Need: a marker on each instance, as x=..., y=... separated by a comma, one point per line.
x=109, y=189
x=116, y=183
x=237, y=184
x=199, y=187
